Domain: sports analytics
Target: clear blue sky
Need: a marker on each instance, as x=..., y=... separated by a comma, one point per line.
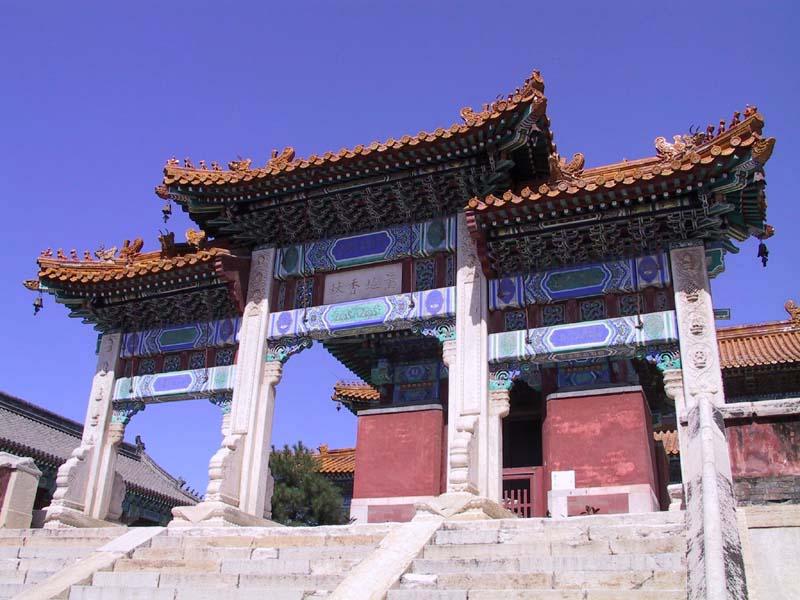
x=94, y=96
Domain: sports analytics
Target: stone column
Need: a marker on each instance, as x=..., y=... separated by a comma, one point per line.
x=84, y=482
x=449, y=360
x=469, y=401
x=715, y=563
x=19, y=480
x=237, y=472
x=255, y=472
x=499, y=406
x=673, y=386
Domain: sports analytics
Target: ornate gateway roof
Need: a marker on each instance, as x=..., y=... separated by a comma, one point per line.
x=412, y=178
x=703, y=185
x=133, y=290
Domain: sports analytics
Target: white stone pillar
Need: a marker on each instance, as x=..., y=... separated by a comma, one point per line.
x=19, y=480
x=255, y=471
x=715, y=563
x=238, y=475
x=99, y=497
x=499, y=406
x=469, y=391
x=673, y=386
x=84, y=480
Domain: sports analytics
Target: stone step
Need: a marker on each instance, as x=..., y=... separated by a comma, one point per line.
x=189, y=593
x=82, y=592
x=558, y=580
x=268, y=580
x=246, y=552
x=531, y=564
x=270, y=540
x=502, y=550
x=9, y=590
x=589, y=594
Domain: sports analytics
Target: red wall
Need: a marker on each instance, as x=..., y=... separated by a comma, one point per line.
x=605, y=438
x=399, y=454
x=764, y=447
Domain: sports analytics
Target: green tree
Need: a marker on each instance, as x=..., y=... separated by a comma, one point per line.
x=302, y=496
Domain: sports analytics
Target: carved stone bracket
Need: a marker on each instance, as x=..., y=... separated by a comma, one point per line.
x=123, y=411
x=442, y=329
x=502, y=375
x=281, y=350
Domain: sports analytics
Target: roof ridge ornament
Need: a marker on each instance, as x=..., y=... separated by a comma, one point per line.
x=794, y=311
x=240, y=165
x=278, y=162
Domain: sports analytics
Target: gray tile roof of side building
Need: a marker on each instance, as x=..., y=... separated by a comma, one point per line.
x=37, y=432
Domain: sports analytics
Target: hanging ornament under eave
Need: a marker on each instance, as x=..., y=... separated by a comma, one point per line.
x=167, y=210
x=763, y=252
x=38, y=304
x=338, y=406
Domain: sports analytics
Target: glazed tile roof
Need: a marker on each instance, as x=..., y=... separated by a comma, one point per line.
x=672, y=161
x=350, y=391
x=30, y=430
x=759, y=345
x=531, y=93
x=62, y=270
x=670, y=441
x=341, y=461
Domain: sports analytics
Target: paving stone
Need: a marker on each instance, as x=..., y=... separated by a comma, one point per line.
x=611, y=580
x=189, y=593
x=167, y=566
x=636, y=594
x=466, y=536
x=526, y=595
x=12, y=577
x=427, y=595
x=198, y=580
x=147, y=579
x=9, y=552
x=7, y=590
x=495, y=581
x=119, y=593
x=266, y=566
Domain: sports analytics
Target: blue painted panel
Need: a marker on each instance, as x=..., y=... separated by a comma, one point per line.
x=178, y=385
x=161, y=340
x=375, y=314
x=621, y=336
x=391, y=243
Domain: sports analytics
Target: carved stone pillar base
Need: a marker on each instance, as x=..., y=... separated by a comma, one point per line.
x=216, y=514
x=462, y=506
x=63, y=517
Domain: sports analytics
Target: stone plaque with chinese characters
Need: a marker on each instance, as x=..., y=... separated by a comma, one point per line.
x=359, y=284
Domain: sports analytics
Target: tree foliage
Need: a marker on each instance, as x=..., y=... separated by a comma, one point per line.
x=302, y=496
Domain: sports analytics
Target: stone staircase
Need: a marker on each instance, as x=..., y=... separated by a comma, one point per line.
x=280, y=563
x=625, y=557
x=28, y=556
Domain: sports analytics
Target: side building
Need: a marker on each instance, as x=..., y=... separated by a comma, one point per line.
x=49, y=439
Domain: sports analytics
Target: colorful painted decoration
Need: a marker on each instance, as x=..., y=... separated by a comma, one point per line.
x=590, y=339
x=181, y=337
x=502, y=375
x=554, y=285
x=178, y=385
x=584, y=372
x=386, y=313
x=392, y=243
x=715, y=260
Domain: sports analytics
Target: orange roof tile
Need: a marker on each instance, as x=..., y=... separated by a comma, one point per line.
x=73, y=270
x=344, y=391
x=761, y=344
x=336, y=462
x=670, y=441
x=530, y=93
x=672, y=159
